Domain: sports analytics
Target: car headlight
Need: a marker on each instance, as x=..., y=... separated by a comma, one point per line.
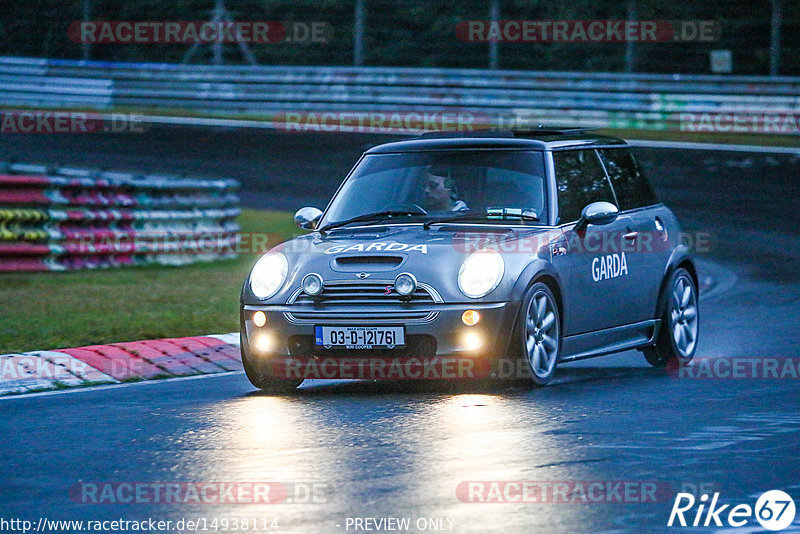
x=405, y=284
x=480, y=273
x=268, y=275
x=312, y=284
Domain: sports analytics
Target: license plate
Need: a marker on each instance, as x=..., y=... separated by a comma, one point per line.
x=360, y=337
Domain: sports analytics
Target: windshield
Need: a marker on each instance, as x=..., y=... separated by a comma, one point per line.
x=430, y=185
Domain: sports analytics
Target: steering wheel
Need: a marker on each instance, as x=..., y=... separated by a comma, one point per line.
x=408, y=206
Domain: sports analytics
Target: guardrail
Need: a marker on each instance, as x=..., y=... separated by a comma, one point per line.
x=58, y=219
x=592, y=100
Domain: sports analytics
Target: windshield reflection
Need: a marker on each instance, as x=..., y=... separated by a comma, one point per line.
x=426, y=185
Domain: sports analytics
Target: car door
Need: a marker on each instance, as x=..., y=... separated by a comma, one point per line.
x=599, y=284
x=645, y=236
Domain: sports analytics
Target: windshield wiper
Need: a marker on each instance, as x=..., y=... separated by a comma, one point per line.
x=369, y=217
x=490, y=213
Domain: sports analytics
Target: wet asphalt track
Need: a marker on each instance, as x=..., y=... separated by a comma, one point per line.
x=401, y=450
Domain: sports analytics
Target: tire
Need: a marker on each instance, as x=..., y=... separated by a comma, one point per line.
x=539, y=333
x=260, y=375
x=680, y=324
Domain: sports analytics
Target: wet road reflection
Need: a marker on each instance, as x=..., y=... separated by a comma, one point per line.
x=400, y=450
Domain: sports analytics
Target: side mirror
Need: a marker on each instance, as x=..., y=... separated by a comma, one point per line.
x=307, y=217
x=597, y=213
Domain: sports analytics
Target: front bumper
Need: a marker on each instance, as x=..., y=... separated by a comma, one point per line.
x=439, y=334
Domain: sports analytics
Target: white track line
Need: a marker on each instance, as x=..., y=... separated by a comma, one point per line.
x=308, y=384
x=200, y=121
x=230, y=339
x=116, y=386
x=685, y=145
x=268, y=125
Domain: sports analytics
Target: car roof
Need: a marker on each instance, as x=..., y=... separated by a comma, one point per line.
x=535, y=139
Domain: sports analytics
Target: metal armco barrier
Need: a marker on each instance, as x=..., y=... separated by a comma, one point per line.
x=511, y=98
x=58, y=219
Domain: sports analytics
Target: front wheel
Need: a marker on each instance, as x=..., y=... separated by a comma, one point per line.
x=540, y=333
x=680, y=324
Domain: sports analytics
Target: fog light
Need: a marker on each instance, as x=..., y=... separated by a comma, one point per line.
x=259, y=318
x=405, y=284
x=470, y=317
x=473, y=341
x=312, y=284
x=262, y=342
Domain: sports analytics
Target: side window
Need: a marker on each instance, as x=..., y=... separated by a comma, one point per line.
x=630, y=185
x=580, y=181
x=505, y=188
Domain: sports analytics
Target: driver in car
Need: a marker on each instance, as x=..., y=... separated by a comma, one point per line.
x=441, y=191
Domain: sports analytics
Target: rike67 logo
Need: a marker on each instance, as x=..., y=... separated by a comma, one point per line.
x=774, y=510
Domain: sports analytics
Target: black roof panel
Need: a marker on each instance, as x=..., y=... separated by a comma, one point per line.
x=537, y=139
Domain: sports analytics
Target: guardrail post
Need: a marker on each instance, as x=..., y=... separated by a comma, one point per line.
x=775, y=38
x=630, y=49
x=86, y=47
x=494, y=16
x=358, y=34
x=219, y=10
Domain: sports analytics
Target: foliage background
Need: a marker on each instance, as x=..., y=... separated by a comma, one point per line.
x=420, y=33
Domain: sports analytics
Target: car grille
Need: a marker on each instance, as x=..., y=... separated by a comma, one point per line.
x=363, y=301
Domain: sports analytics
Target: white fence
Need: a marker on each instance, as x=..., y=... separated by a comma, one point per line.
x=586, y=99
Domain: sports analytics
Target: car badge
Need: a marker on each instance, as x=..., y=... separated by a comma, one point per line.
x=362, y=275
x=387, y=290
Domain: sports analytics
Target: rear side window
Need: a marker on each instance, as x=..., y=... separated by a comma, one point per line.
x=580, y=180
x=630, y=185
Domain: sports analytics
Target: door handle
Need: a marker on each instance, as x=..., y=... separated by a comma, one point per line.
x=631, y=236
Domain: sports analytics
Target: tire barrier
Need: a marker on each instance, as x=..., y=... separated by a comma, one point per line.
x=59, y=219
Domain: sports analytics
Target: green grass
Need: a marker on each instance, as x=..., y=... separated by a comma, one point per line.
x=71, y=309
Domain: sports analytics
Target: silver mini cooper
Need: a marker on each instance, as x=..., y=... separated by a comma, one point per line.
x=492, y=255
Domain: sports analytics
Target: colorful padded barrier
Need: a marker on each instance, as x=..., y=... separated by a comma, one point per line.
x=59, y=219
